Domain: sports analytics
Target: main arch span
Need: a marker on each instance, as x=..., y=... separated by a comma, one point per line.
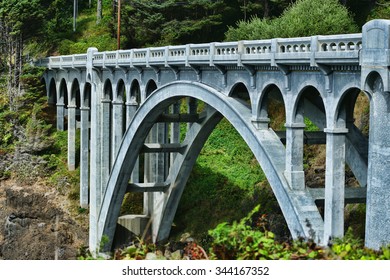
x=298, y=210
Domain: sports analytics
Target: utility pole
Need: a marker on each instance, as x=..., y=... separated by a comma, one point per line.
x=119, y=26
x=75, y=4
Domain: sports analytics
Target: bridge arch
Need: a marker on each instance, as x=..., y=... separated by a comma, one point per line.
x=151, y=86
x=63, y=93
x=240, y=91
x=52, y=92
x=264, y=144
x=135, y=92
x=271, y=100
x=74, y=97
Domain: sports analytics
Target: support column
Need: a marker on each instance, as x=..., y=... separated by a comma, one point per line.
x=60, y=116
x=175, y=129
x=334, y=183
x=84, y=157
x=192, y=108
x=93, y=78
x=105, y=144
x=375, y=65
x=294, y=155
x=159, y=197
x=150, y=171
x=131, y=108
x=71, y=137
x=117, y=126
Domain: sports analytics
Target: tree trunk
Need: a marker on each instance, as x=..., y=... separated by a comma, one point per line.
x=266, y=8
x=99, y=14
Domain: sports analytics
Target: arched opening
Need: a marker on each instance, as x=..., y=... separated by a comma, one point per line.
x=63, y=97
x=273, y=104
x=120, y=114
x=225, y=184
x=135, y=93
x=107, y=132
x=150, y=87
x=52, y=94
x=353, y=113
x=310, y=111
x=240, y=91
x=62, y=106
x=75, y=98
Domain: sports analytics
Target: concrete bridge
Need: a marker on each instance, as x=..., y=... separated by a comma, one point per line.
x=145, y=114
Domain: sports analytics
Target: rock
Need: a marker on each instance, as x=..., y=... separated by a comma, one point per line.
x=154, y=256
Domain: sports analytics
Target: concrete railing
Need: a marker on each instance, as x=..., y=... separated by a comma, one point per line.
x=333, y=49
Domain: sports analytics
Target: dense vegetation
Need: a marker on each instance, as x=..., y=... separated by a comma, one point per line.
x=225, y=192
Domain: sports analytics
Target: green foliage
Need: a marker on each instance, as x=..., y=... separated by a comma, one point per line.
x=241, y=240
x=249, y=239
x=310, y=126
x=171, y=22
x=303, y=18
x=381, y=11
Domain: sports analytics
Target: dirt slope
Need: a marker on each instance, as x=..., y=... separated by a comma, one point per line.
x=35, y=224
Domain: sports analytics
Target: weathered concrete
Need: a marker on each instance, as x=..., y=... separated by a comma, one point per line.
x=316, y=77
x=376, y=80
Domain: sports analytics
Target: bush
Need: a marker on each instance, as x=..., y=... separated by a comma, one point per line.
x=303, y=18
x=249, y=239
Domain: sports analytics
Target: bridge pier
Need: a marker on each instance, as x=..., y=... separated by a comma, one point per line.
x=131, y=108
x=72, y=137
x=106, y=141
x=294, y=155
x=376, y=81
x=84, y=156
x=334, y=183
x=60, y=116
x=117, y=127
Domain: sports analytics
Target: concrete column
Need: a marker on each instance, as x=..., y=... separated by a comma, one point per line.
x=72, y=137
x=378, y=177
x=294, y=155
x=84, y=157
x=105, y=144
x=334, y=183
x=131, y=108
x=60, y=116
x=175, y=129
x=95, y=172
x=375, y=65
x=192, y=108
x=95, y=176
x=160, y=176
x=150, y=171
x=117, y=126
